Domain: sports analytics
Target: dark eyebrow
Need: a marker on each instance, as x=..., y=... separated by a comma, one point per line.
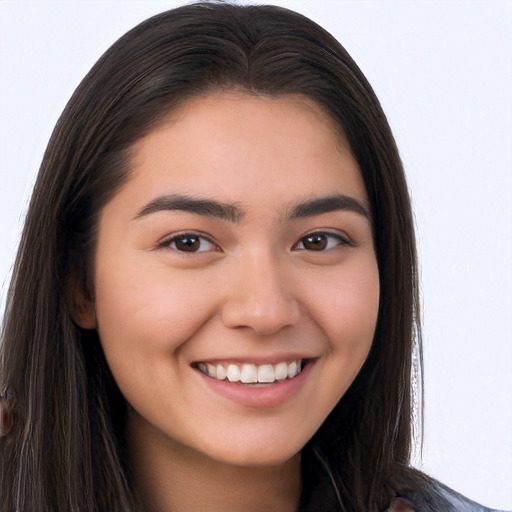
x=204, y=207
x=326, y=205
x=233, y=213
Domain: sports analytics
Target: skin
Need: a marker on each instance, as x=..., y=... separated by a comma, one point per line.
x=254, y=290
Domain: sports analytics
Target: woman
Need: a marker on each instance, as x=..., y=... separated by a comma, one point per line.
x=219, y=242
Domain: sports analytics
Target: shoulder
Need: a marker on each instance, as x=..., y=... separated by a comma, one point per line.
x=461, y=503
x=414, y=491
x=428, y=501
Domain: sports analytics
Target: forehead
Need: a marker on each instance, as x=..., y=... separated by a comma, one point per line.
x=238, y=146
x=208, y=110
x=241, y=102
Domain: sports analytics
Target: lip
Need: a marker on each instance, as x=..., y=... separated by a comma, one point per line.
x=259, y=397
x=269, y=359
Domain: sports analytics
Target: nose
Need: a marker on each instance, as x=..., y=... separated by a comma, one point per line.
x=260, y=297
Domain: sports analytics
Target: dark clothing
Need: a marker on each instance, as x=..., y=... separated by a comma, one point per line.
x=320, y=494
x=455, y=503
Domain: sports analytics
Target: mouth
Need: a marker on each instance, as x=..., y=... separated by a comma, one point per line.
x=250, y=374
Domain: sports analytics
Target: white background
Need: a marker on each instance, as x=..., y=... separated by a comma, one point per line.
x=443, y=72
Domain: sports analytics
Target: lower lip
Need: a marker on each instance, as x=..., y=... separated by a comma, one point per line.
x=262, y=397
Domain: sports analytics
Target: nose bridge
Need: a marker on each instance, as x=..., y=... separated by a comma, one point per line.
x=261, y=295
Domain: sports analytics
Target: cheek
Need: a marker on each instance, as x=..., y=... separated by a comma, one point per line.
x=350, y=310
x=344, y=306
x=147, y=309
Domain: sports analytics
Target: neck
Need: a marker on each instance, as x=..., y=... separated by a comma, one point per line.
x=170, y=477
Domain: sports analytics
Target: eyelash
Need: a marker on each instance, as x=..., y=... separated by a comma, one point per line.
x=198, y=238
x=168, y=242
x=342, y=240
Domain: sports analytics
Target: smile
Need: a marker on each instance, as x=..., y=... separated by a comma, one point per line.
x=252, y=374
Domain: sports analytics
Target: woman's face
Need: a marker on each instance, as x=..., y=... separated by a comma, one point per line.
x=238, y=253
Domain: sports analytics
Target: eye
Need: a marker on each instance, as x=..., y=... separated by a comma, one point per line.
x=189, y=242
x=320, y=242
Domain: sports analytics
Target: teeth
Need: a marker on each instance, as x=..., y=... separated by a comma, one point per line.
x=266, y=373
x=221, y=372
x=292, y=370
x=233, y=374
x=281, y=371
x=212, y=371
x=251, y=373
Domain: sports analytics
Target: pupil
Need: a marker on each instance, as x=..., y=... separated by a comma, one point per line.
x=188, y=244
x=315, y=242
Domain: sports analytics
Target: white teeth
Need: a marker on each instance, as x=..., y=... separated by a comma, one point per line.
x=233, y=374
x=221, y=372
x=281, y=371
x=266, y=373
x=248, y=373
x=292, y=370
x=212, y=371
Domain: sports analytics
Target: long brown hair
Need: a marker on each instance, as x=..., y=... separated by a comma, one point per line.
x=66, y=451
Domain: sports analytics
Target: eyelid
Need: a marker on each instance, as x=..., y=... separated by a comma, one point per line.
x=165, y=242
x=341, y=237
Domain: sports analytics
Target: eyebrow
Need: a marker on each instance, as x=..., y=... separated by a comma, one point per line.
x=199, y=206
x=326, y=205
x=233, y=213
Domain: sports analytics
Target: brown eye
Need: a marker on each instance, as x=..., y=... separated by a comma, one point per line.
x=321, y=242
x=315, y=242
x=189, y=242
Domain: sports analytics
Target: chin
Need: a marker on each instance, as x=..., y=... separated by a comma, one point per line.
x=259, y=461
x=257, y=453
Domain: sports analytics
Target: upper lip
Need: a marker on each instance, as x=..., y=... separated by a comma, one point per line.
x=256, y=359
